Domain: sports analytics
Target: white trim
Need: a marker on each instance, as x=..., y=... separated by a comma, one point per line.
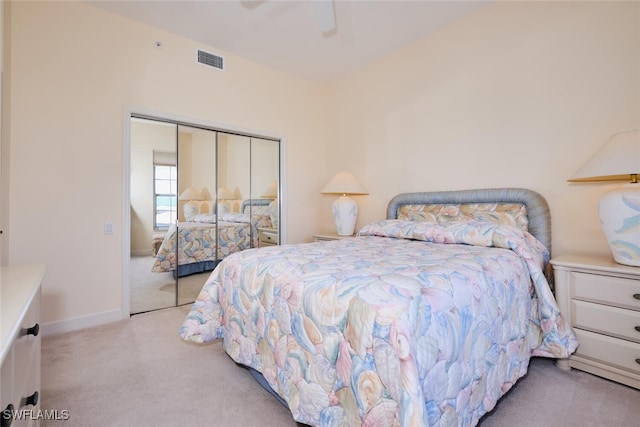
x=126, y=214
x=126, y=154
x=142, y=252
x=282, y=199
x=80, y=322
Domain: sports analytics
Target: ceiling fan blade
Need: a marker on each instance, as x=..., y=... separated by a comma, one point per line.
x=326, y=17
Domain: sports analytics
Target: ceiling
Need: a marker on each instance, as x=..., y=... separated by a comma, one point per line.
x=285, y=35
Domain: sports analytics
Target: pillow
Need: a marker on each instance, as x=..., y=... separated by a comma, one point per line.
x=273, y=213
x=513, y=214
x=207, y=218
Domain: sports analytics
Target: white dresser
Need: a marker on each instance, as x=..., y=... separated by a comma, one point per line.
x=20, y=329
x=601, y=299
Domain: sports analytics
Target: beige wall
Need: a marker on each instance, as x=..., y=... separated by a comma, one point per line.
x=75, y=70
x=518, y=94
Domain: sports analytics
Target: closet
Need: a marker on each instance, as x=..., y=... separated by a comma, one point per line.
x=197, y=195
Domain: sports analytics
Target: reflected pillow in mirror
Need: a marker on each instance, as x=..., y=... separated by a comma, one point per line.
x=273, y=213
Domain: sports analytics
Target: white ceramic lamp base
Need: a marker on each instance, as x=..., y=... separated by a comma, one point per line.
x=190, y=210
x=620, y=219
x=345, y=214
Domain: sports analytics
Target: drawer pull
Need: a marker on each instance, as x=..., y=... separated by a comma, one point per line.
x=34, y=330
x=636, y=296
x=638, y=361
x=30, y=400
x=637, y=328
x=7, y=415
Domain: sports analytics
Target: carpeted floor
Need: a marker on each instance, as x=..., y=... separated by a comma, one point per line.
x=138, y=372
x=153, y=291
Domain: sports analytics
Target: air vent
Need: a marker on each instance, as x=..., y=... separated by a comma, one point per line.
x=210, y=59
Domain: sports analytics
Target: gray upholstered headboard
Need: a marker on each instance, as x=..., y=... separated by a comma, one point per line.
x=539, y=216
x=254, y=202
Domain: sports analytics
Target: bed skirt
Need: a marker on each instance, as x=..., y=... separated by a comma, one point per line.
x=195, y=268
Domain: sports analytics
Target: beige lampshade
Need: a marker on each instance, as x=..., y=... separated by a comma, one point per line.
x=617, y=160
x=344, y=183
x=191, y=194
x=206, y=194
x=271, y=192
x=225, y=194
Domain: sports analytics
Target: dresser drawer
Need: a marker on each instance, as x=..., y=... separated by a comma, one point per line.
x=611, y=351
x=21, y=367
x=28, y=342
x=7, y=395
x=29, y=396
x=605, y=319
x=604, y=289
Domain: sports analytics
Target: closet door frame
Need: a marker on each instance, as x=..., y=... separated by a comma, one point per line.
x=130, y=112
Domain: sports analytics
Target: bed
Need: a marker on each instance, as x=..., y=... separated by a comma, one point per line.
x=425, y=318
x=207, y=239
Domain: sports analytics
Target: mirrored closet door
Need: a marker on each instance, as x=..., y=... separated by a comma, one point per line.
x=197, y=196
x=195, y=253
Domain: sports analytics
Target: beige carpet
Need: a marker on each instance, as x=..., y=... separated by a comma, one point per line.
x=137, y=372
x=153, y=291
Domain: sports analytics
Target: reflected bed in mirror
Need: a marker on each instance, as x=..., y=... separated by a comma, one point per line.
x=196, y=243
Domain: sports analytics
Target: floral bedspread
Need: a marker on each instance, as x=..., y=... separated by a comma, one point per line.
x=409, y=324
x=197, y=241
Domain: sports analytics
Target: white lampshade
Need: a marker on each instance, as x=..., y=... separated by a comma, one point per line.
x=191, y=194
x=271, y=192
x=206, y=194
x=344, y=183
x=618, y=160
x=225, y=194
x=345, y=209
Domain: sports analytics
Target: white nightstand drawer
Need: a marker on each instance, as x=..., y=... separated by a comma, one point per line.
x=267, y=237
x=606, y=319
x=605, y=289
x=613, y=351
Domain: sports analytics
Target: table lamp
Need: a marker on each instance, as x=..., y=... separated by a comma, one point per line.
x=223, y=197
x=618, y=160
x=345, y=209
x=190, y=209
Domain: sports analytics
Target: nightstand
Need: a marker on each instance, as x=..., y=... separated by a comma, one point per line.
x=601, y=299
x=267, y=237
x=331, y=236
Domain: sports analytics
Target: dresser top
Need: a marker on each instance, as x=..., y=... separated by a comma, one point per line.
x=598, y=263
x=18, y=285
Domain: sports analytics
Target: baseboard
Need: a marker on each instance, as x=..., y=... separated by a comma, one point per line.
x=80, y=322
x=142, y=252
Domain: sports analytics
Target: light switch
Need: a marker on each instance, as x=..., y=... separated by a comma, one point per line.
x=108, y=228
